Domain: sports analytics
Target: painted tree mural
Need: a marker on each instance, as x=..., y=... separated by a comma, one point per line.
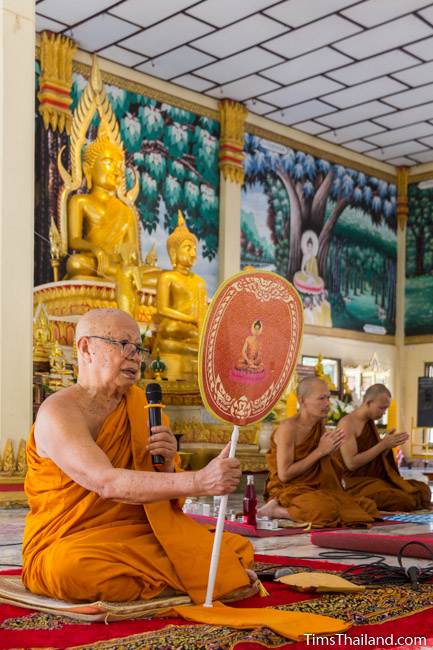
x=353, y=217
x=299, y=184
x=419, y=261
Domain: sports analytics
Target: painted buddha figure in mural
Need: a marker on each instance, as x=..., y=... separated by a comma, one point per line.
x=181, y=305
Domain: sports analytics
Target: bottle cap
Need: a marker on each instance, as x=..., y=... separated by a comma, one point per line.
x=250, y=479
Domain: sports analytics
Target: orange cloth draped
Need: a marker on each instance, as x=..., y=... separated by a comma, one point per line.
x=80, y=547
x=380, y=479
x=316, y=495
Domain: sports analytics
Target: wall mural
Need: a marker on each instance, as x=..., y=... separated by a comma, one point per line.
x=329, y=229
x=175, y=153
x=419, y=262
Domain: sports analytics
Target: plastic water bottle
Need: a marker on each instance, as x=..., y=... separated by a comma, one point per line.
x=250, y=502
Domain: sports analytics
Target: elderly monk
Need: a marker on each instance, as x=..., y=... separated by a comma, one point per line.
x=303, y=484
x=369, y=467
x=104, y=524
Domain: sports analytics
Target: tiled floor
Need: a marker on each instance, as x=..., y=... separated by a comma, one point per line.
x=296, y=546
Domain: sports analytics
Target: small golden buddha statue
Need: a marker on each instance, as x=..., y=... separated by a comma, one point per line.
x=42, y=338
x=320, y=373
x=181, y=306
x=60, y=375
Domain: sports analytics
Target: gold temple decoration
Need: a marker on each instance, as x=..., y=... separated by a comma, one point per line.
x=42, y=336
x=55, y=249
x=231, y=156
x=101, y=226
x=320, y=373
x=8, y=462
x=56, y=81
x=402, y=204
x=181, y=304
x=21, y=458
x=60, y=375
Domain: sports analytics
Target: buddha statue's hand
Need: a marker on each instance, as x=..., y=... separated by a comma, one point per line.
x=220, y=476
x=103, y=260
x=163, y=443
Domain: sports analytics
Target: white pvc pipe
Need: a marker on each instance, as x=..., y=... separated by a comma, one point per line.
x=216, y=549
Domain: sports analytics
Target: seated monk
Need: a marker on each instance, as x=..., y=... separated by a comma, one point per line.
x=103, y=523
x=368, y=464
x=303, y=484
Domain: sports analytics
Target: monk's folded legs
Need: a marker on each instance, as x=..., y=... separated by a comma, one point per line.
x=316, y=507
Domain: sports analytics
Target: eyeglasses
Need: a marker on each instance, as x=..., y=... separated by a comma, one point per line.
x=128, y=349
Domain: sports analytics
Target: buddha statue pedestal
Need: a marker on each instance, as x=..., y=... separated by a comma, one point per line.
x=180, y=366
x=67, y=300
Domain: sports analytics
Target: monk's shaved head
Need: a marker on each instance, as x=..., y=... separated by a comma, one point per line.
x=103, y=322
x=308, y=385
x=375, y=391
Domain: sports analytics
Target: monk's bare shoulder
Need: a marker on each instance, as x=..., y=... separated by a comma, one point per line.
x=348, y=424
x=285, y=432
x=59, y=411
x=60, y=403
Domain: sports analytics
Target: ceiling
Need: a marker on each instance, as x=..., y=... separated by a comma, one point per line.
x=355, y=73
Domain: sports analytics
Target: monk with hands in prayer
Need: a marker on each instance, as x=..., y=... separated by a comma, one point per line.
x=303, y=484
x=367, y=461
x=104, y=523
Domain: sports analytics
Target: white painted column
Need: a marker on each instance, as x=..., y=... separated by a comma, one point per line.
x=229, y=250
x=17, y=107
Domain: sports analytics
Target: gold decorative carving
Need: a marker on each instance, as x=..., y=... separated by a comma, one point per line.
x=402, y=204
x=231, y=155
x=177, y=393
x=76, y=297
x=192, y=430
x=21, y=458
x=8, y=458
x=42, y=336
x=55, y=249
x=56, y=80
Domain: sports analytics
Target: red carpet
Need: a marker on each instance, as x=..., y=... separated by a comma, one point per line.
x=21, y=628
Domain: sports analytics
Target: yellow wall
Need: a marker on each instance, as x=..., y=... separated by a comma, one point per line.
x=414, y=358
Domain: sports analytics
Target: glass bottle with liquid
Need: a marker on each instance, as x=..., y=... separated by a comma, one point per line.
x=250, y=502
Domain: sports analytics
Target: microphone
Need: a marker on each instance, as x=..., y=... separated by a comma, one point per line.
x=154, y=396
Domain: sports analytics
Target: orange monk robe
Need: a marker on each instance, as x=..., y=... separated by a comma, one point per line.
x=81, y=547
x=316, y=495
x=380, y=479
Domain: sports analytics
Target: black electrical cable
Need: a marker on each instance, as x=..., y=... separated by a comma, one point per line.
x=381, y=573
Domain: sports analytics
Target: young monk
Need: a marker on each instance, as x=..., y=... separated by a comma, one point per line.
x=303, y=484
x=369, y=467
x=103, y=523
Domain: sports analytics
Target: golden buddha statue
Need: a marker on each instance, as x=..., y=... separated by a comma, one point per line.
x=101, y=226
x=60, y=375
x=181, y=306
x=42, y=337
x=320, y=373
